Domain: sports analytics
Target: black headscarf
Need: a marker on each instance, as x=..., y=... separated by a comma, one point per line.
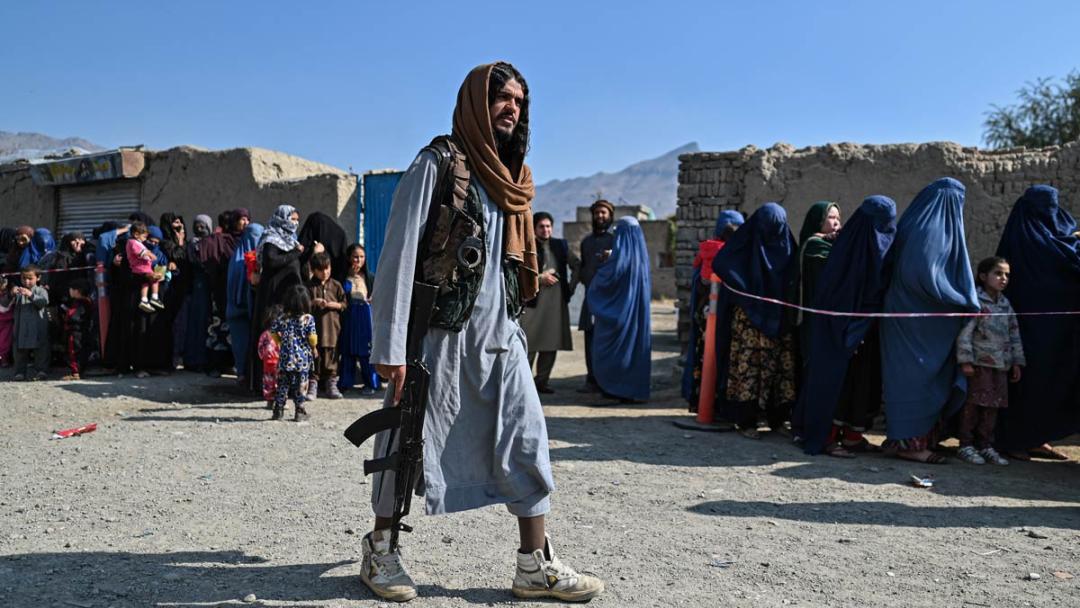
x=322, y=228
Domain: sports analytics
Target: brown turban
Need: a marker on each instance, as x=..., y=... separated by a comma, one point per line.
x=511, y=188
x=604, y=204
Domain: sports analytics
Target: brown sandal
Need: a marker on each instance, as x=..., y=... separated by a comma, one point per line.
x=930, y=458
x=838, y=451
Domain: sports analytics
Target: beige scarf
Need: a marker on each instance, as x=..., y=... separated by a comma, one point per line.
x=511, y=188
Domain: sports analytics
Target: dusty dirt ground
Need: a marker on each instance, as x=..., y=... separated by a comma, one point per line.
x=187, y=496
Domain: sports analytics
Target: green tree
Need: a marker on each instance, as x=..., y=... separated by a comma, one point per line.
x=1046, y=114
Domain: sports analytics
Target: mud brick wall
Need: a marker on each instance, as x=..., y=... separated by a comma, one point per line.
x=847, y=173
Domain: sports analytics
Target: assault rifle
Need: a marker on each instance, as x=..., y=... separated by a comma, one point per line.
x=405, y=421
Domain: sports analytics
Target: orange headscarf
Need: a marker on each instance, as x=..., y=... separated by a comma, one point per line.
x=511, y=188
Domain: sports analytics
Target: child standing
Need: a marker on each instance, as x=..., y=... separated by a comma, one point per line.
x=31, y=326
x=990, y=355
x=328, y=300
x=354, y=345
x=270, y=355
x=294, y=332
x=142, y=262
x=77, y=316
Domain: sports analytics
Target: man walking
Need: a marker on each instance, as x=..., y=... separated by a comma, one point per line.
x=547, y=318
x=485, y=438
x=595, y=249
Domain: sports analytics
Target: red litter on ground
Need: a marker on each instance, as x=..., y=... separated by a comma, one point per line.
x=79, y=430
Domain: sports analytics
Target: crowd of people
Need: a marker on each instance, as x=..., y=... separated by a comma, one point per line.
x=991, y=357
x=147, y=297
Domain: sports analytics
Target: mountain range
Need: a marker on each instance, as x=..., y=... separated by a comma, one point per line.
x=15, y=146
x=652, y=182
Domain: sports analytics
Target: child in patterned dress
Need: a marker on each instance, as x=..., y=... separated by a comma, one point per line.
x=294, y=332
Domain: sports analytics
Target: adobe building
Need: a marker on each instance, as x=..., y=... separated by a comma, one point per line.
x=658, y=240
x=847, y=173
x=79, y=192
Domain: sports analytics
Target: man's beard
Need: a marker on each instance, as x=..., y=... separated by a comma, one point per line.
x=504, y=144
x=599, y=227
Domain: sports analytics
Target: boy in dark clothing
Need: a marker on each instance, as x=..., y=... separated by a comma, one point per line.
x=31, y=326
x=77, y=318
x=328, y=300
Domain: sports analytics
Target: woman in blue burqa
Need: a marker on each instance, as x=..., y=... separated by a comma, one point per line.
x=755, y=348
x=727, y=222
x=931, y=273
x=1040, y=242
x=619, y=302
x=841, y=390
x=240, y=300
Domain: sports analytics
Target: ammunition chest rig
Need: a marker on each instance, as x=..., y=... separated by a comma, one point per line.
x=453, y=250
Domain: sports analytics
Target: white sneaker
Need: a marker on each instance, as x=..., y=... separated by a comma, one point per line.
x=969, y=454
x=384, y=572
x=540, y=576
x=990, y=455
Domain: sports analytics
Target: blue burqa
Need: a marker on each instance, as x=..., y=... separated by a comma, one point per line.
x=727, y=217
x=240, y=301
x=619, y=302
x=758, y=259
x=853, y=280
x=41, y=244
x=930, y=273
x=1044, y=256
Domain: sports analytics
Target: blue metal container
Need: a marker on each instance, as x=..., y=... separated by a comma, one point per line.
x=378, y=194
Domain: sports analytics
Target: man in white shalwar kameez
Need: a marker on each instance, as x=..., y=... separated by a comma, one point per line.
x=485, y=439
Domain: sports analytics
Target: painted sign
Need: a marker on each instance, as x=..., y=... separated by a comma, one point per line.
x=85, y=169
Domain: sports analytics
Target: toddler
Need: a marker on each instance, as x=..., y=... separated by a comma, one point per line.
x=327, y=300
x=269, y=353
x=990, y=355
x=141, y=260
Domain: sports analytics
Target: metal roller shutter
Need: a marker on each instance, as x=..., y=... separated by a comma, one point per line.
x=83, y=208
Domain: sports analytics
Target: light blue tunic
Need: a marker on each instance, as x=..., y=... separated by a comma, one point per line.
x=485, y=439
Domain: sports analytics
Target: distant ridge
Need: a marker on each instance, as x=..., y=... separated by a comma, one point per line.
x=651, y=182
x=33, y=146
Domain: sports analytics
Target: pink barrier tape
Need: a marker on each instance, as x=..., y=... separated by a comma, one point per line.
x=896, y=315
x=15, y=274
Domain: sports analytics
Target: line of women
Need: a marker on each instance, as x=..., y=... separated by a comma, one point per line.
x=830, y=375
x=218, y=285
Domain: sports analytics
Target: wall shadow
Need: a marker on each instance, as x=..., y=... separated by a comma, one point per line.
x=896, y=514
x=654, y=440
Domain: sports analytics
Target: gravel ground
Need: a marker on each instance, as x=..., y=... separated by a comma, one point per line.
x=187, y=496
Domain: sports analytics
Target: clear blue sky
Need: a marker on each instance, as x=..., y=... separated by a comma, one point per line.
x=365, y=84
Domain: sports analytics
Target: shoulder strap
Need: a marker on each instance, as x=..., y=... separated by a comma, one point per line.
x=451, y=184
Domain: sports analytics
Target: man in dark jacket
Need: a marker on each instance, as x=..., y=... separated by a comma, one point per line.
x=595, y=249
x=547, y=317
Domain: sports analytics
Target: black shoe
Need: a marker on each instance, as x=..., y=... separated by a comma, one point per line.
x=301, y=414
x=278, y=413
x=544, y=389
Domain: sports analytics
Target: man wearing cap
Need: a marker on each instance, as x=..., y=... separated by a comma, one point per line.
x=485, y=438
x=595, y=249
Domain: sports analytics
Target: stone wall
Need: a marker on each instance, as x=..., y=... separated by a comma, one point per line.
x=657, y=241
x=190, y=181
x=847, y=173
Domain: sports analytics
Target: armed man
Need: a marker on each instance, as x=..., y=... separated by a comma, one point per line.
x=459, y=264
